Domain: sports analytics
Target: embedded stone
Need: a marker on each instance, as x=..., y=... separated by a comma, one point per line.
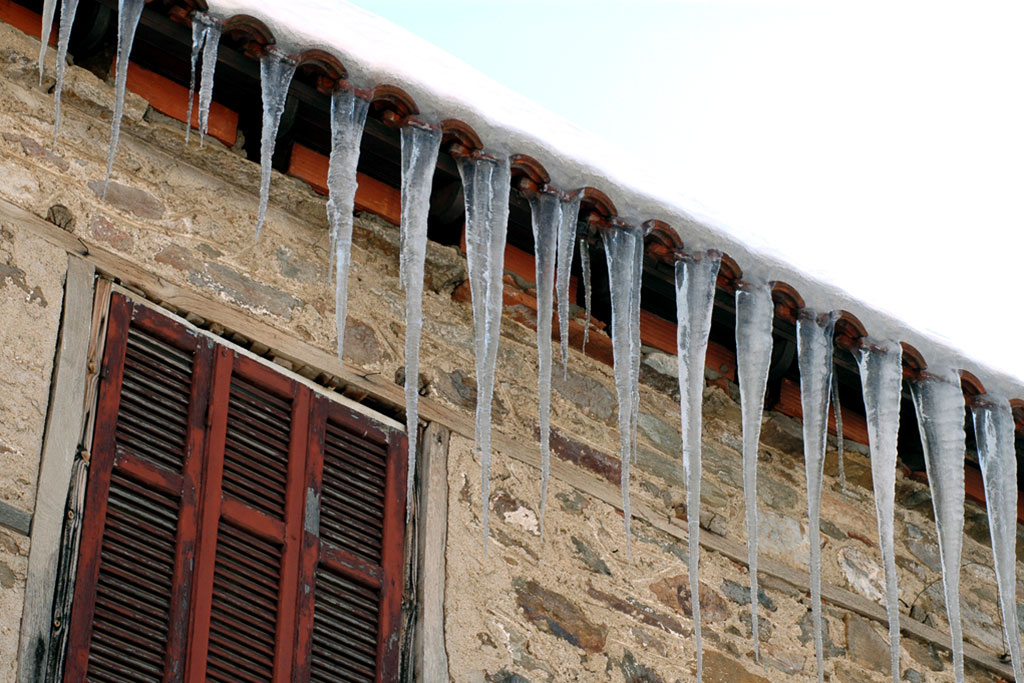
x=7, y=576
x=61, y=216
x=506, y=676
x=721, y=668
x=102, y=229
x=807, y=635
x=925, y=654
x=662, y=435
x=31, y=148
x=741, y=595
x=862, y=573
x=783, y=538
x=923, y=548
x=130, y=199
x=786, y=662
x=776, y=494
x=554, y=613
x=639, y=611
x=590, y=558
x=587, y=393
x=635, y=672
x=764, y=626
x=866, y=647
x=674, y=592
x=516, y=513
x=913, y=676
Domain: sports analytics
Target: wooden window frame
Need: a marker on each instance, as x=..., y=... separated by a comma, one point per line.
x=204, y=504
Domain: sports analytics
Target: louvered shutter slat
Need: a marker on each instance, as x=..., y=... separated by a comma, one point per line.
x=141, y=635
x=245, y=576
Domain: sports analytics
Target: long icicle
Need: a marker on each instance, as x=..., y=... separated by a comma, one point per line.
x=585, y=267
x=420, y=146
x=837, y=410
x=755, y=312
x=198, y=38
x=67, y=19
x=623, y=270
x=696, y=277
x=348, y=114
x=814, y=347
x=994, y=430
x=567, y=215
x=210, y=49
x=939, y=402
x=128, y=14
x=881, y=377
x=634, y=337
x=546, y=213
x=49, y=9
x=486, y=184
x=276, y=71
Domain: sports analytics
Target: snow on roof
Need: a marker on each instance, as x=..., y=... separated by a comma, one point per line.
x=375, y=51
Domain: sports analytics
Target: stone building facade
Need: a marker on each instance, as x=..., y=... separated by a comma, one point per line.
x=176, y=229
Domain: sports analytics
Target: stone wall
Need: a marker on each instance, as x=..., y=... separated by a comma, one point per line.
x=569, y=606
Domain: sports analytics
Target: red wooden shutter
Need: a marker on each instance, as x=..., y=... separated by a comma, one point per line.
x=134, y=571
x=244, y=627
x=237, y=527
x=354, y=548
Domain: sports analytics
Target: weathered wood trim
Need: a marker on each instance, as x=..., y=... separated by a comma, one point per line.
x=60, y=443
x=431, y=658
x=15, y=519
x=382, y=389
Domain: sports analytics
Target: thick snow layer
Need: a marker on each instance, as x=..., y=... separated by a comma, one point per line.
x=376, y=51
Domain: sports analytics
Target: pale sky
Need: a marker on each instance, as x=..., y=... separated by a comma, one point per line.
x=878, y=147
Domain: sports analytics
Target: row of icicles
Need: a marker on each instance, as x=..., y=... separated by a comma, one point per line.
x=937, y=397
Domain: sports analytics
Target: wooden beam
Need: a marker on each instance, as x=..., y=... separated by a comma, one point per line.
x=25, y=20
x=60, y=444
x=171, y=99
x=386, y=391
x=372, y=195
x=15, y=519
x=431, y=657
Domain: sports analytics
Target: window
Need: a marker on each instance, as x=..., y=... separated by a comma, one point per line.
x=238, y=526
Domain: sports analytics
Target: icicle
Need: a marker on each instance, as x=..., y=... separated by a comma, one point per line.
x=67, y=19
x=585, y=267
x=547, y=220
x=695, y=300
x=213, y=31
x=198, y=37
x=754, y=315
x=814, y=346
x=276, y=71
x=568, y=213
x=348, y=114
x=205, y=38
x=486, y=184
x=881, y=377
x=128, y=14
x=939, y=403
x=620, y=245
x=837, y=410
x=420, y=145
x=49, y=8
x=634, y=337
x=994, y=431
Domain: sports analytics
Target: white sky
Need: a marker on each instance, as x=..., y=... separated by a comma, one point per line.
x=878, y=147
